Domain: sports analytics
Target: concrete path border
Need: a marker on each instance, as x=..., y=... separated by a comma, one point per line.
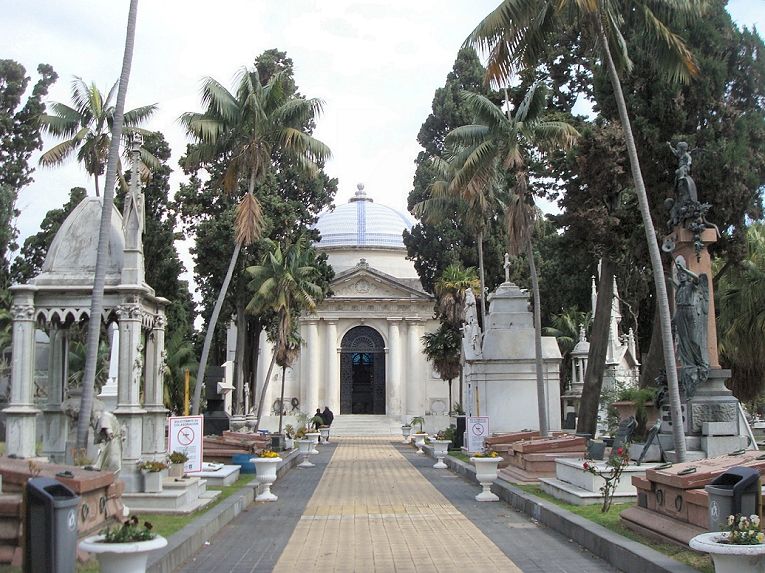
x=624, y=554
x=182, y=545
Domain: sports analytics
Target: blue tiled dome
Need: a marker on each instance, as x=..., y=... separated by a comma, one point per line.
x=363, y=223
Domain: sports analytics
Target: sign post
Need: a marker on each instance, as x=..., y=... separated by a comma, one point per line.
x=477, y=429
x=185, y=435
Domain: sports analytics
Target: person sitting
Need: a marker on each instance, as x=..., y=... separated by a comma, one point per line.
x=328, y=416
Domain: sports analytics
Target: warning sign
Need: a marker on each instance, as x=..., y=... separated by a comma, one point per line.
x=477, y=429
x=185, y=435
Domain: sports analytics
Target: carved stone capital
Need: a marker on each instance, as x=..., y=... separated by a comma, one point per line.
x=23, y=312
x=129, y=312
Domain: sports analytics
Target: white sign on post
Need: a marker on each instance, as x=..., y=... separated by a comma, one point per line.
x=185, y=435
x=477, y=429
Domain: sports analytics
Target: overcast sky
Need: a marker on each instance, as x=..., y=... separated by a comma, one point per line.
x=375, y=63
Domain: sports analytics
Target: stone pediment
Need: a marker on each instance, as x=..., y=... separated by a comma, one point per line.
x=367, y=283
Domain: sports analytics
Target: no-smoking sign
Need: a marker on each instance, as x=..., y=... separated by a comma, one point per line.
x=477, y=430
x=185, y=435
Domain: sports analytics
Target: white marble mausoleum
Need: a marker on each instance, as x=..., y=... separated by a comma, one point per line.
x=362, y=351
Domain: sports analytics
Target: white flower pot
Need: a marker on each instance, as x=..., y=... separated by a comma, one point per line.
x=440, y=451
x=265, y=473
x=486, y=470
x=419, y=441
x=304, y=448
x=152, y=482
x=314, y=437
x=405, y=431
x=730, y=558
x=324, y=434
x=122, y=557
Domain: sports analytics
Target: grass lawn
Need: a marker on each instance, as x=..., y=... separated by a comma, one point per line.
x=611, y=521
x=460, y=456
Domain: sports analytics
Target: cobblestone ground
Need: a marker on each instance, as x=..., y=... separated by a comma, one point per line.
x=372, y=505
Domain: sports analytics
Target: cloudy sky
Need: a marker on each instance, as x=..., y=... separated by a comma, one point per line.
x=375, y=63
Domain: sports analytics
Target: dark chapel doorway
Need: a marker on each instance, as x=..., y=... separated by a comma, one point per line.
x=362, y=372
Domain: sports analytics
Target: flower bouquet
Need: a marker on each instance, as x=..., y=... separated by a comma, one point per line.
x=743, y=530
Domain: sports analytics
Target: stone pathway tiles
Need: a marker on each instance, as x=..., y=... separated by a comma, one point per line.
x=374, y=508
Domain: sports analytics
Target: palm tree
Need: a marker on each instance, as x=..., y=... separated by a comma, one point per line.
x=284, y=284
x=86, y=130
x=489, y=148
x=472, y=206
x=249, y=127
x=517, y=32
x=97, y=299
x=442, y=347
x=180, y=357
x=565, y=328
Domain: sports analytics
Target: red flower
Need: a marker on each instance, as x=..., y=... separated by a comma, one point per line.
x=620, y=451
x=586, y=466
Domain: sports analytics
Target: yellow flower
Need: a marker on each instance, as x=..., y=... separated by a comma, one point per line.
x=760, y=536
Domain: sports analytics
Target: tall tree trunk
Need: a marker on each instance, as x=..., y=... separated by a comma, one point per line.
x=662, y=300
x=263, y=390
x=211, y=329
x=544, y=426
x=241, y=339
x=587, y=422
x=253, y=329
x=482, y=285
x=281, y=399
x=97, y=300
x=98, y=190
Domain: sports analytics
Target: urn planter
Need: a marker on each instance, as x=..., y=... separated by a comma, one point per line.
x=304, y=448
x=440, y=451
x=406, y=431
x=127, y=557
x=486, y=470
x=152, y=481
x=265, y=473
x=314, y=437
x=419, y=441
x=730, y=558
x=324, y=431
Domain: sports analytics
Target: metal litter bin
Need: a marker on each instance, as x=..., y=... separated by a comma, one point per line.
x=50, y=527
x=735, y=491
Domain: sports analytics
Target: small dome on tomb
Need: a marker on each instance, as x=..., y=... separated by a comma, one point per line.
x=582, y=347
x=363, y=223
x=71, y=259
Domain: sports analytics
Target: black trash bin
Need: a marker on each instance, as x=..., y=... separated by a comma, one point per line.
x=459, y=434
x=735, y=491
x=50, y=528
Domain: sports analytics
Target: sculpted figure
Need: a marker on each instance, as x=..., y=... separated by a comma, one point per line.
x=471, y=332
x=690, y=322
x=109, y=435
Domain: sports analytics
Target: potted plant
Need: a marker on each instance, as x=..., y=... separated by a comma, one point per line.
x=406, y=429
x=125, y=548
x=419, y=436
x=304, y=447
x=266, y=464
x=152, y=475
x=440, y=448
x=486, y=469
x=289, y=436
x=324, y=431
x=738, y=548
x=177, y=460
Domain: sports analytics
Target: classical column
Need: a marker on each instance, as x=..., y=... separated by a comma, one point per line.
x=154, y=443
x=395, y=407
x=414, y=381
x=332, y=377
x=55, y=422
x=129, y=411
x=20, y=415
x=312, y=371
x=265, y=348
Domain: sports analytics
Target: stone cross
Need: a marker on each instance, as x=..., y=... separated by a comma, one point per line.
x=507, y=268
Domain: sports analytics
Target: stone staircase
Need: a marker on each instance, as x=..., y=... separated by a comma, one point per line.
x=365, y=425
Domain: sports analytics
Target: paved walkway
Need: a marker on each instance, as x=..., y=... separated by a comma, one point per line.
x=373, y=505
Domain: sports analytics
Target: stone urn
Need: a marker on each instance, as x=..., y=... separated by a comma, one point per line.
x=265, y=473
x=419, y=441
x=314, y=437
x=440, y=451
x=730, y=558
x=324, y=431
x=129, y=557
x=486, y=470
x=304, y=449
x=175, y=470
x=152, y=481
x=405, y=431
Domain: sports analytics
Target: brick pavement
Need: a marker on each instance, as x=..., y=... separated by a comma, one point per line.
x=376, y=506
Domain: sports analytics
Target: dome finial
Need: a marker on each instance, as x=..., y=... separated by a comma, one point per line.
x=360, y=194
